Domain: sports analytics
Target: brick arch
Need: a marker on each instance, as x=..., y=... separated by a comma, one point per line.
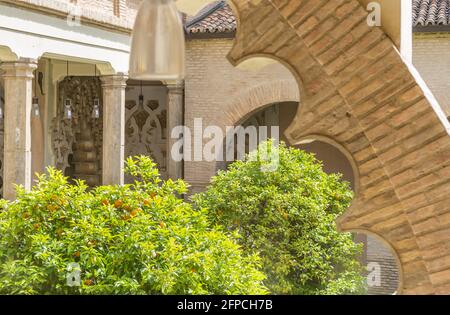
x=357, y=90
x=256, y=98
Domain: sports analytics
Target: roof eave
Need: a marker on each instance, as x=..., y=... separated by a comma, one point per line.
x=431, y=29
x=209, y=35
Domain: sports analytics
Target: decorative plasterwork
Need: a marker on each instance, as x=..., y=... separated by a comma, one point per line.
x=65, y=132
x=145, y=130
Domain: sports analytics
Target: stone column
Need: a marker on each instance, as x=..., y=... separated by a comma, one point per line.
x=175, y=117
x=113, y=128
x=18, y=80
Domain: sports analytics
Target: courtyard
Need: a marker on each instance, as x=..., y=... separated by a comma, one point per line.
x=361, y=85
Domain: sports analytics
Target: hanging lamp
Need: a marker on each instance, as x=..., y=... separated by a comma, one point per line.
x=141, y=98
x=158, y=43
x=2, y=103
x=96, y=108
x=35, y=111
x=68, y=102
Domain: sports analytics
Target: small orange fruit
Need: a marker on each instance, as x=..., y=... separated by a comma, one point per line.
x=146, y=202
x=105, y=202
x=88, y=282
x=162, y=224
x=77, y=254
x=118, y=204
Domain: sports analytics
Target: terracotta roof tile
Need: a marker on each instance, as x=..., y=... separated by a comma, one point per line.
x=431, y=12
x=216, y=17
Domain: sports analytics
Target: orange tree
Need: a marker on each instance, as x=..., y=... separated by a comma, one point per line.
x=141, y=238
x=288, y=215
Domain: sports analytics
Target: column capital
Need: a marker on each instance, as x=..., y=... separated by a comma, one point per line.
x=22, y=68
x=118, y=80
x=175, y=86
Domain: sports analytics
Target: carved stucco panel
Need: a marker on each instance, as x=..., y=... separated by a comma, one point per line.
x=145, y=128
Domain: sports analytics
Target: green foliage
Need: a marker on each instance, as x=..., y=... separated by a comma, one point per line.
x=136, y=239
x=288, y=216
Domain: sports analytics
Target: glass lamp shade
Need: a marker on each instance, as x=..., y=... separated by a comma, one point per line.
x=158, y=43
x=35, y=107
x=96, y=109
x=68, y=109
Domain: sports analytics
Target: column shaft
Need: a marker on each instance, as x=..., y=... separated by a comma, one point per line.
x=18, y=78
x=175, y=117
x=113, y=129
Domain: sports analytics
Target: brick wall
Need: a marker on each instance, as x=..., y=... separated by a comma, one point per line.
x=212, y=83
x=431, y=56
x=378, y=253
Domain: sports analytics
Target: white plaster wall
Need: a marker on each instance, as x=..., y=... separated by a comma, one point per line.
x=30, y=34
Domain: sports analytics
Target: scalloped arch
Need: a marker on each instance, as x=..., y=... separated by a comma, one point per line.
x=357, y=90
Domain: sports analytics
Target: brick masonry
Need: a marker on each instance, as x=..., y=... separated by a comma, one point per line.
x=379, y=253
x=218, y=92
x=431, y=56
x=374, y=107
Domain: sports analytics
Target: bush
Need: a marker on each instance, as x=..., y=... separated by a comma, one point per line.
x=136, y=239
x=288, y=216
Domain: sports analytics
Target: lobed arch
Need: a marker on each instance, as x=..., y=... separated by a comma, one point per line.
x=358, y=91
